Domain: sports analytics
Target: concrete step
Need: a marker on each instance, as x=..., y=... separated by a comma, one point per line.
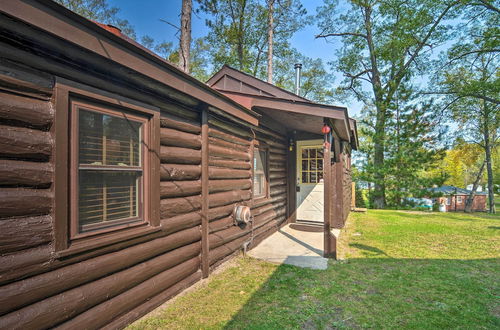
x=309, y=226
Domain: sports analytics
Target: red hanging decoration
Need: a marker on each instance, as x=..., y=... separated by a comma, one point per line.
x=325, y=129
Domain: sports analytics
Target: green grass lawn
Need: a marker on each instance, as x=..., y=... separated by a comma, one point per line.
x=401, y=270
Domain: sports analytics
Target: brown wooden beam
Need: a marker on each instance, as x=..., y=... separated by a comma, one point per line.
x=22, y=173
x=30, y=111
x=25, y=202
x=338, y=193
x=205, y=266
x=329, y=244
x=179, y=172
x=23, y=142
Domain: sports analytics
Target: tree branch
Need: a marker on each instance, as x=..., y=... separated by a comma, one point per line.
x=422, y=43
x=475, y=95
x=488, y=5
x=343, y=34
x=356, y=76
x=479, y=51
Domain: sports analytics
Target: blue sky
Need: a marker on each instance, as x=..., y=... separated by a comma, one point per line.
x=146, y=17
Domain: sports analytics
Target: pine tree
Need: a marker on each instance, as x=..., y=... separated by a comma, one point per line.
x=385, y=42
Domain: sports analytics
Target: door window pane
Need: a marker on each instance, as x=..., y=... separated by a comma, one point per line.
x=312, y=165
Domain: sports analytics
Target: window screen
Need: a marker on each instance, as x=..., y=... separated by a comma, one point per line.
x=259, y=172
x=110, y=169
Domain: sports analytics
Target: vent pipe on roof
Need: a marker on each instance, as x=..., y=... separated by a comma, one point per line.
x=298, y=67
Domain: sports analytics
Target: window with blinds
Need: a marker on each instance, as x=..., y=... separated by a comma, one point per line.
x=110, y=168
x=259, y=173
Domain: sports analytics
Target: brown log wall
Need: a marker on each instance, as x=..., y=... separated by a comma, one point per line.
x=230, y=165
x=26, y=171
x=39, y=289
x=347, y=188
x=114, y=284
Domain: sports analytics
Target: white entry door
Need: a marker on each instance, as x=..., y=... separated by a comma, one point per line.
x=310, y=187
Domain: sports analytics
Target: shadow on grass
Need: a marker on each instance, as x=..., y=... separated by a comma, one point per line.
x=368, y=248
x=376, y=293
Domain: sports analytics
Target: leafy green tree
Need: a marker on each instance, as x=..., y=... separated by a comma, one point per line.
x=316, y=82
x=384, y=43
x=415, y=147
x=164, y=49
x=198, y=62
x=470, y=81
x=238, y=31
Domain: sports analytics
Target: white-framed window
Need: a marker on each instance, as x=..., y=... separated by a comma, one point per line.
x=459, y=199
x=448, y=200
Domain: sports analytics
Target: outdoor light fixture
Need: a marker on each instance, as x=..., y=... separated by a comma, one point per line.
x=325, y=129
x=291, y=144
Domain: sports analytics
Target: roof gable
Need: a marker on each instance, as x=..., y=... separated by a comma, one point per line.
x=232, y=80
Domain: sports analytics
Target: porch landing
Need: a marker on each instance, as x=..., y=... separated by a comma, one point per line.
x=292, y=247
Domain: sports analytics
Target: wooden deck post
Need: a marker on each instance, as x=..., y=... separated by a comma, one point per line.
x=204, y=194
x=338, y=200
x=329, y=241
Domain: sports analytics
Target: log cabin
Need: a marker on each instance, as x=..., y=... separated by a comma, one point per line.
x=123, y=180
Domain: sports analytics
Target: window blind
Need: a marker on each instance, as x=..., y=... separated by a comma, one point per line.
x=109, y=169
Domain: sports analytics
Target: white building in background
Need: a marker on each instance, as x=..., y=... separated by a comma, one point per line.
x=479, y=188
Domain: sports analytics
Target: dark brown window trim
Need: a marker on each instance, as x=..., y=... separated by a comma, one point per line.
x=143, y=194
x=262, y=146
x=65, y=92
x=91, y=243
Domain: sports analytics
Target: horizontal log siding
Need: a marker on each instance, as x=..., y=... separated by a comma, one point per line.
x=114, y=284
x=180, y=187
x=91, y=289
x=26, y=171
x=230, y=168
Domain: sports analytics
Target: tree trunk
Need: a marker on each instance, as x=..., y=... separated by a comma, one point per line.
x=378, y=159
x=379, y=137
x=470, y=198
x=270, y=34
x=241, y=34
x=185, y=42
x=487, y=147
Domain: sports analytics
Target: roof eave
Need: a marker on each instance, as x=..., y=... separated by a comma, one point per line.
x=60, y=21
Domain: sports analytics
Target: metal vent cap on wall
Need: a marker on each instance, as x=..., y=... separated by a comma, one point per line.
x=242, y=214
